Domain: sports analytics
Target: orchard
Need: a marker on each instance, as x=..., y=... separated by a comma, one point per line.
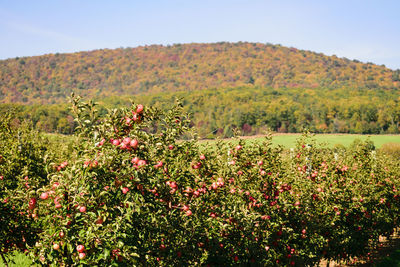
x=137, y=189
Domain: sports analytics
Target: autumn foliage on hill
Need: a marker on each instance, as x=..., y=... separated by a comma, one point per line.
x=251, y=87
x=187, y=67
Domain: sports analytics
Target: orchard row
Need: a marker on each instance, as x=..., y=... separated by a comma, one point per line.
x=129, y=192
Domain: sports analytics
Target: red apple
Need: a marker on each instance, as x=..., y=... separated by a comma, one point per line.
x=125, y=190
x=139, y=108
x=32, y=203
x=115, y=142
x=126, y=140
x=134, y=143
x=141, y=162
x=135, y=160
x=185, y=208
x=80, y=248
x=188, y=213
x=44, y=195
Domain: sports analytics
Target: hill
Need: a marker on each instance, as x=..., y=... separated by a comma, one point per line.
x=224, y=86
x=182, y=67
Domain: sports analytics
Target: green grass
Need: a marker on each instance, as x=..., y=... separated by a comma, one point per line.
x=289, y=140
x=20, y=260
x=333, y=139
x=286, y=140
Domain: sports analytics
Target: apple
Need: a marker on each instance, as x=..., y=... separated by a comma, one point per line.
x=115, y=142
x=158, y=165
x=56, y=246
x=135, y=160
x=44, y=195
x=64, y=164
x=214, y=186
x=125, y=190
x=134, y=143
x=136, y=117
x=80, y=248
x=82, y=255
x=188, y=213
x=94, y=164
x=124, y=146
x=32, y=203
x=82, y=209
x=139, y=108
x=141, y=162
x=173, y=185
x=126, y=140
x=186, y=208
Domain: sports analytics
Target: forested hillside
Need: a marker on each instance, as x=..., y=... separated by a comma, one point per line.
x=152, y=69
x=225, y=86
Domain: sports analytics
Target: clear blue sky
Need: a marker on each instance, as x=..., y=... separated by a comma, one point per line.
x=367, y=30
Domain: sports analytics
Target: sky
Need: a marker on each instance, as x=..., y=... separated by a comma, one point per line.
x=366, y=30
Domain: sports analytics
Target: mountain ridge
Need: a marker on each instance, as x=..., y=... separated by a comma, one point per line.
x=182, y=67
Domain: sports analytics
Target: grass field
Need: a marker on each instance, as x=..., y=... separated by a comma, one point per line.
x=20, y=260
x=333, y=139
x=289, y=140
x=285, y=140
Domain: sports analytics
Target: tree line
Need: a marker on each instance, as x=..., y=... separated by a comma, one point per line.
x=251, y=110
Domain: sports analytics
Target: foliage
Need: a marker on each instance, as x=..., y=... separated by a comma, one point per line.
x=134, y=194
x=182, y=67
x=23, y=170
x=217, y=113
